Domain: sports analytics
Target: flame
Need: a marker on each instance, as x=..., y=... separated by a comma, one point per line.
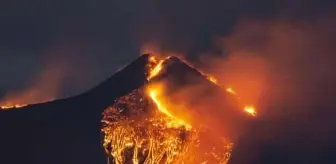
x=13, y=106
x=250, y=110
x=156, y=70
x=230, y=90
x=212, y=79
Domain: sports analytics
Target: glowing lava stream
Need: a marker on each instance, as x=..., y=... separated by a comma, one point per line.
x=156, y=70
x=158, y=67
x=176, y=121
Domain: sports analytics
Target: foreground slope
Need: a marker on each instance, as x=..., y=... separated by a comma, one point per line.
x=65, y=131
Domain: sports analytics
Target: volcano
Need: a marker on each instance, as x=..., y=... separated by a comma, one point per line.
x=172, y=117
x=67, y=131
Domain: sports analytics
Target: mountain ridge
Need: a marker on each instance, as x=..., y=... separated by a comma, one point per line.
x=66, y=130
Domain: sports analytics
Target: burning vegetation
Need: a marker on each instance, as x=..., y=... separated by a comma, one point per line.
x=150, y=125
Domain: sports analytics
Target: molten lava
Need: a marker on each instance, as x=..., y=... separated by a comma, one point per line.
x=156, y=70
x=155, y=66
x=140, y=128
x=176, y=122
x=134, y=134
x=250, y=110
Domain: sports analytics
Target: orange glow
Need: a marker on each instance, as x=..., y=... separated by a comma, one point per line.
x=230, y=90
x=250, y=110
x=209, y=77
x=168, y=139
x=156, y=70
x=164, y=127
x=176, y=122
x=153, y=59
x=13, y=106
x=212, y=79
x=158, y=66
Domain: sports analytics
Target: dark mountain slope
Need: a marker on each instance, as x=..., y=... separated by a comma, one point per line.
x=65, y=131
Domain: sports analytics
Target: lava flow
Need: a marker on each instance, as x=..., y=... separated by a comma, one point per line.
x=141, y=128
x=176, y=122
x=155, y=67
x=141, y=136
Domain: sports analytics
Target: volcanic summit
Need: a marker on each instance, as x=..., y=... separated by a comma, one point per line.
x=154, y=110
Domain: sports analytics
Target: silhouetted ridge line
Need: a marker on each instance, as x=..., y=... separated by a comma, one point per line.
x=65, y=131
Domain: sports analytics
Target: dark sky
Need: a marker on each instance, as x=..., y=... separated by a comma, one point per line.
x=57, y=48
x=86, y=41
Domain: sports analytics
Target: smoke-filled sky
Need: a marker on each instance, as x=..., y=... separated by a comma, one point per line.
x=276, y=54
x=78, y=44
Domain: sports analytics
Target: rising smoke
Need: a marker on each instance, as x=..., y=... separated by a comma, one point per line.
x=277, y=55
x=270, y=52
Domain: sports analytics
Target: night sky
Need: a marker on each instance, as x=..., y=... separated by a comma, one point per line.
x=89, y=40
x=64, y=47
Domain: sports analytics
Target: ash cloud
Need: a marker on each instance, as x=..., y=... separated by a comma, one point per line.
x=192, y=27
x=273, y=53
x=290, y=60
x=278, y=55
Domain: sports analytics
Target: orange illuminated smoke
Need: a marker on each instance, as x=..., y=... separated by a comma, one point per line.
x=250, y=110
x=176, y=122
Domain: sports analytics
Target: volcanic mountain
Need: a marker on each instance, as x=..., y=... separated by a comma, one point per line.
x=174, y=116
x=67, y=131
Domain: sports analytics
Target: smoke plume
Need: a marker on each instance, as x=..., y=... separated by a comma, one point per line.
x=271, y=53
x=276, y=55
